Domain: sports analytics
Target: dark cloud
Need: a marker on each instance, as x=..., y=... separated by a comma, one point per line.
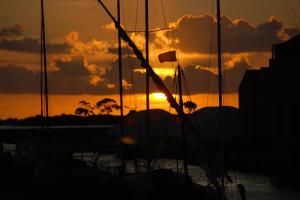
x=199, y=80
x=13, y=39
x=270, y=28
x=232, y=76
x=203, y=81
x=125, y=50
x=15, y=79
x=129, y=64
x=12, y=31
x=194, y=35
x=74, y=77
x=31, y=45
x=240, y=36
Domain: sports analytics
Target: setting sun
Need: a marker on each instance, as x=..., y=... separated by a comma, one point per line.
x=159, y=96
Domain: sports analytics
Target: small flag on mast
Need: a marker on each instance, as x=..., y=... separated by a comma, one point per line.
x=167, y=57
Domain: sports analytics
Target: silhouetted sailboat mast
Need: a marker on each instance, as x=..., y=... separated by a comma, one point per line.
x=120, y=68
x=220, y=92
x=121, y=81
x=161, y=86
x=147, y=79
x=44, y=74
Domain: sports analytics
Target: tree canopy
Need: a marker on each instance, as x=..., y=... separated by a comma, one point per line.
x=191, y=106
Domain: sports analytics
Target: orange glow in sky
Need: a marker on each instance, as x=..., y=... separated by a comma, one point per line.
x=83, y=55
x=25, y=105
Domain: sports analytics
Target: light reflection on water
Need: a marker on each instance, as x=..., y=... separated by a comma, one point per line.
x=258, y=187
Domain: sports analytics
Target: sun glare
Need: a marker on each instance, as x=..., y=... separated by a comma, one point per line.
x=159, y=96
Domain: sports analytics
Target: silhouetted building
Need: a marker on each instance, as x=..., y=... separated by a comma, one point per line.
x=268, y=98
x=269, y=113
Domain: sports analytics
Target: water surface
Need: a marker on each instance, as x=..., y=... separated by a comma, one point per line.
x=258, y=187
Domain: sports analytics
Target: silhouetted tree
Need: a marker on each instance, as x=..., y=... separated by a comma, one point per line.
x=107, y=105
x=85, y=109
x=82, y=111
x=191, y=106
x=85, y=103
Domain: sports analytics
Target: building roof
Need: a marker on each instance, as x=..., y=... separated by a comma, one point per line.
x=289, y=48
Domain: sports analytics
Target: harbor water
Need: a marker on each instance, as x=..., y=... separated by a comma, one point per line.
x=258, y=187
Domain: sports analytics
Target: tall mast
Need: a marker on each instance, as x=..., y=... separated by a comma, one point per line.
x=219, y=53
x=120, y=77
x=120, y=67
x=185, y=163
x=147, y=79
x=220, y=83
x=44, y=62
x=41, y=74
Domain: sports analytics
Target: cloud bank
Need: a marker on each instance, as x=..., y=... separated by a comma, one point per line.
x=91, y=67
x=198, y=33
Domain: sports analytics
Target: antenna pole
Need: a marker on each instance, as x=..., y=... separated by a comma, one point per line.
x=147, y=81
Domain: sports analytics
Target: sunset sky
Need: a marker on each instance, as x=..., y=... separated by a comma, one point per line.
x=81, y=42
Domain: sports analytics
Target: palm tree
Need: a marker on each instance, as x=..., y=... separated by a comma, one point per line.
x=191, y=106
x=107, y=105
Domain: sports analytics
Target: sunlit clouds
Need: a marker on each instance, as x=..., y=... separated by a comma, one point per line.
x=92, y=66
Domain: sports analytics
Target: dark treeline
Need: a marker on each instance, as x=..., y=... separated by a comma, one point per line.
x=63, y=120
x=85, y=114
